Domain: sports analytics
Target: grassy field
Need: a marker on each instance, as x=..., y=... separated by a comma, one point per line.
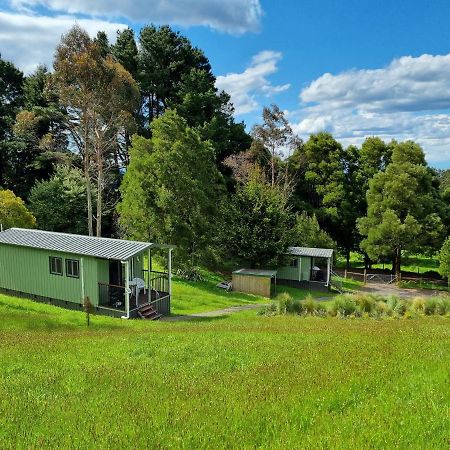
x=241, y=381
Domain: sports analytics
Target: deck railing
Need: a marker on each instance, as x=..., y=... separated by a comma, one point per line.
x=111, y=296
x=158, y=281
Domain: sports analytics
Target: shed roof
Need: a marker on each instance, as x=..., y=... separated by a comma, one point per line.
x=308, y=251
x=257, y=272
x=98, y=247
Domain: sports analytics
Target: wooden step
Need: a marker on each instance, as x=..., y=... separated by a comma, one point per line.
x=148, y=312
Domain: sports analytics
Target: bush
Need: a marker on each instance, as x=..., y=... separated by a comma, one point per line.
x=366, y=303
x=297, y=307
x=382, y=309
x=309, y=305
x=189, y=273
x=442, y=306
x=343, y=306
x=418, y=305
x=285, y=303
x=400, y=308
x=430, y=306
x=269, y=310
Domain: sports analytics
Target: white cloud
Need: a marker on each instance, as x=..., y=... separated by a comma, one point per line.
x=29, y=40
x=247, y=86
x=407, y=84
x=231, y=16
x=408, y=99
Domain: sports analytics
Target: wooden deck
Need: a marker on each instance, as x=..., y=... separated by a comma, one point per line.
x=143, y=298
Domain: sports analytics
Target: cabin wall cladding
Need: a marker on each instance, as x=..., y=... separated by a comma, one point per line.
x=27, y=270
x=252, y=284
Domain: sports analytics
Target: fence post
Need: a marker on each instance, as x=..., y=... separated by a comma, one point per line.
x=365, y=276
x=345, y=273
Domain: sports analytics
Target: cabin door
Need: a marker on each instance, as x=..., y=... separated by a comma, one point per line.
x=116, y=275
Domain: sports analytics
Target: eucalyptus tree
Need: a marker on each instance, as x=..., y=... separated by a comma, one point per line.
x=98, y=96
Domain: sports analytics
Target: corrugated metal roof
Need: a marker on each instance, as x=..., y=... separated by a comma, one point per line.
x=308, y=251
x=257, y=272
x=106, y=248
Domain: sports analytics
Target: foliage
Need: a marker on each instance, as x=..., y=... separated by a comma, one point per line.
x=171, y=189
x=59, y=204
x=276, y=135
x=401, y=207
x=13, y=212
x=444, y=260
x=99, y=97
x=255, y=227
x=309, y=234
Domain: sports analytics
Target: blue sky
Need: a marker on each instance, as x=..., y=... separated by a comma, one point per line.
x=354, y=68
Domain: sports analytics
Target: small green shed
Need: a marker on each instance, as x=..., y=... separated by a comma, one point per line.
x=307, y=265
x=64, y=269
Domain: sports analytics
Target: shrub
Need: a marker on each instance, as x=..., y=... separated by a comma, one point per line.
x=309, y=305
x=392, y=301
x=442, y=306
x=344, y=305
x=285, y=303
x=418, y=305
x=366, y=303
x=269, y=310
x=400, y=307
x=430, y=306
x=382, y=309
x=297, y=307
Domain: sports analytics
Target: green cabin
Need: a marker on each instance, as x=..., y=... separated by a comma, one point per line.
x=307, y=267
x=64, y=269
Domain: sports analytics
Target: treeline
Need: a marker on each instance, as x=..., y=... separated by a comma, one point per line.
x=136, y=140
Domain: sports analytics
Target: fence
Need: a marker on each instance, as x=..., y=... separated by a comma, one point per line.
x=157, y=281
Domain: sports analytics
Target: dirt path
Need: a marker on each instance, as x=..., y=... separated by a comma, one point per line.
x=216, y=313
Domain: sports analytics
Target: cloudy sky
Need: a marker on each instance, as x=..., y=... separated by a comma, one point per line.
x=355, y=68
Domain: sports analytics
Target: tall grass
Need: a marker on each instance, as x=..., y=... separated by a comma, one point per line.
x=360, y=305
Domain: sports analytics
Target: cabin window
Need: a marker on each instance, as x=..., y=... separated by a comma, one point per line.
x=294, y=262
x=72, y=268
x=55, y=265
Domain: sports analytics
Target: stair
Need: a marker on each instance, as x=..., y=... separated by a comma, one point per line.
x=148, y=312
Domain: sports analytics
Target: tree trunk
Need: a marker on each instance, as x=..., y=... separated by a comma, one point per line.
x=99, y=192
x=347, y=256
x=398, y=261
x=87, y=178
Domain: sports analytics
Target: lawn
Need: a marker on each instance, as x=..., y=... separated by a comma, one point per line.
x=413, y=263
x=242, y=381
x=200, y=296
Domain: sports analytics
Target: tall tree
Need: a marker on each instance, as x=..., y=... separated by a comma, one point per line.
x=276, y=135
x=165, y=56
x=59, y=204
x=444, y=260
x=98, y=95
x=11, y=99
x=255, y=228
x=126, y=52
x=171, y=189
x=13, y=212
x=307, y=233
x=402, y=206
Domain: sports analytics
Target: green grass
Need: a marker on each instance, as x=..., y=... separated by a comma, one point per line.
x=421, y=284
x=414, y=263
x=200, y=296
x=239, y=381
